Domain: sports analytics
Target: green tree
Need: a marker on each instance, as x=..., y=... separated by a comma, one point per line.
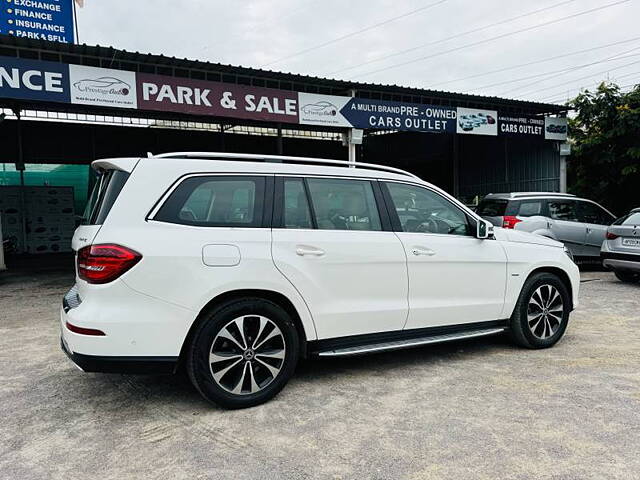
x=605, y=161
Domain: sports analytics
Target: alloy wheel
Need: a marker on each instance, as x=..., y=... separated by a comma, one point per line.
x=247, y=354
x=545, y=311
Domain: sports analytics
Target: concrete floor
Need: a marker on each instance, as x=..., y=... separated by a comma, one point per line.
x=469, y=410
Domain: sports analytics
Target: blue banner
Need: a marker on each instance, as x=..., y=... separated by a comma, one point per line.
x=34, y=80
x=377, y=114
x=50, y=20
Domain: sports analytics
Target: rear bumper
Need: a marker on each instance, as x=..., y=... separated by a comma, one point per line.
x=621, y=261
x=131, y=365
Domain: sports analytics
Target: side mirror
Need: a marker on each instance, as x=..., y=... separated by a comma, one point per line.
x=484, y=229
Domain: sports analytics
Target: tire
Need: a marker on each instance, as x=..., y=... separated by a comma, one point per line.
x=529, y=331
x=627, y=277
x=235, y=371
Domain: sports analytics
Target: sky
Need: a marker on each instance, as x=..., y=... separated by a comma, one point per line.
x=543, y=50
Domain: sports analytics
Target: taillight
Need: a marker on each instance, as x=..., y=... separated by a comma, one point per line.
x=106, y=262
x=611, y=236
x=85, y=331
x=509, y=221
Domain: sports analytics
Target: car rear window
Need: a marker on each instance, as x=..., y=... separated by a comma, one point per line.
x=492, y=208
x=630, y=219
x=215, y=201
x=104, y=194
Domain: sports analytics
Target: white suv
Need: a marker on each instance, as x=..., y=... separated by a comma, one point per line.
x=235, y=266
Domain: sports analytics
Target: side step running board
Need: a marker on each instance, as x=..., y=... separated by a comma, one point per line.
x=414, y=342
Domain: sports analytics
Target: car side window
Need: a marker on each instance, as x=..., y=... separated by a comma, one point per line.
x=423, y=210
x=529, y=208
x=341, y=204
x=296, y=205
x=591, y=213
x=212, y=201
x=563, y=210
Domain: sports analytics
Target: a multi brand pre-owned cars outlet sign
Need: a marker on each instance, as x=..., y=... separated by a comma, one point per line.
x=78, y=84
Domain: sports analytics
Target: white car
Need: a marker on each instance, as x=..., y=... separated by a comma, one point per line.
x=234, y=266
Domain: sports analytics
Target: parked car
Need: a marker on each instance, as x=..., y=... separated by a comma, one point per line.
x=621, y=249
x=466, y=124
x=235, y=266
x=577, y=222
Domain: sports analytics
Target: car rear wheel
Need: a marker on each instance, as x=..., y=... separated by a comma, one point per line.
x=542, y=312
x=243, y=353
x=627, y=277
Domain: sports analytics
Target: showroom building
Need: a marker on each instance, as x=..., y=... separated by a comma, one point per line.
x=65, y=105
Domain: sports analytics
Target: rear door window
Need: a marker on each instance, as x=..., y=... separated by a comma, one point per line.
x=344, y=204
x=563, y=210
x=215, y=201
x=103, y=196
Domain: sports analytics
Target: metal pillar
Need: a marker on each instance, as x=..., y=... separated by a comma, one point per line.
x=456, y=168
x=351, y=146
x=279, y=144
x=563, y=174
x=20, y=168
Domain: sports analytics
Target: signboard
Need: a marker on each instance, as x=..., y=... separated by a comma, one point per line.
x=50, y=20
x=102, y=87
x=33, y=80
x=322, y=110
x=555, y=128
x=185, y=95
x=521, y=125
x=377, y=114
x=374, y=114
x=472, y=121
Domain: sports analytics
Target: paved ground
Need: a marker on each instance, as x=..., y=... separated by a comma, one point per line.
x=471, y=410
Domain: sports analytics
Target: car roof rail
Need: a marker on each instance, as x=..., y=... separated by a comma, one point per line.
x=279, y=158
x=540, y=194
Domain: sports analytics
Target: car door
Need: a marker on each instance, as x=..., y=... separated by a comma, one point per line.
x=596, y=221
x=454, y=277
x=339, y=252
x=566, y=226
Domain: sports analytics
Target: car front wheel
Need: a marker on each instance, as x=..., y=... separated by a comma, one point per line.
x=243, y=353
x=542, y=312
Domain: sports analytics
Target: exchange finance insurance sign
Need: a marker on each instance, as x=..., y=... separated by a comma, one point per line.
x=50, y=20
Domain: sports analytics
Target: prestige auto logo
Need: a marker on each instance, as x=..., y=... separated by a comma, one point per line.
x=320, y=109
x=103, y=86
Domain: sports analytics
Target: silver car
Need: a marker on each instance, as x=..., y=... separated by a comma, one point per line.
x=621, y=248
x=579, y=223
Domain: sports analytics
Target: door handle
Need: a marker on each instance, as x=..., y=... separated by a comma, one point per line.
x=422, y=251
x=303, y=250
